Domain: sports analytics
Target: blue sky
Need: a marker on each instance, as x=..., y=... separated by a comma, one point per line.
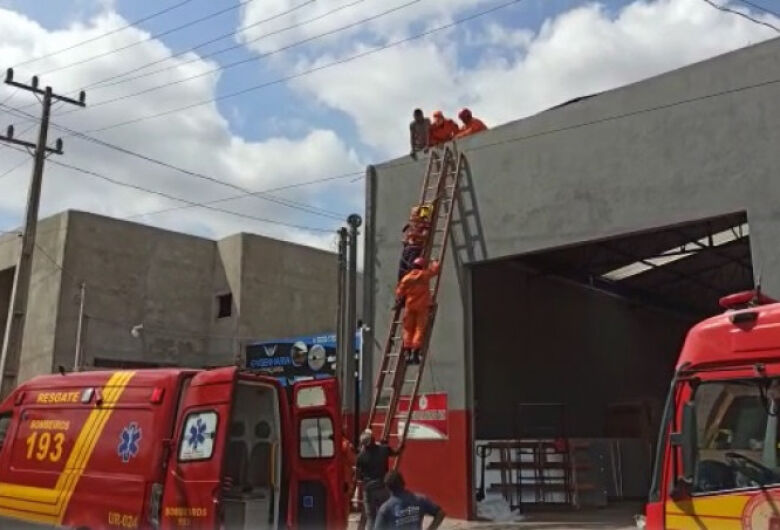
x=508, y=64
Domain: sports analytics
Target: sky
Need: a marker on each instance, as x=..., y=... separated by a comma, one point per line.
x=229, y=97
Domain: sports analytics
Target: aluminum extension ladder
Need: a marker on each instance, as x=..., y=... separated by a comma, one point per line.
x=396, y=380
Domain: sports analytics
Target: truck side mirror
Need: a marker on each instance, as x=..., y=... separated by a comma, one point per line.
x=687, y=440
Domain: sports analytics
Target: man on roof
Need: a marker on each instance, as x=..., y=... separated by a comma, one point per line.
x=471, y=125
x=419, y=133
x=442, y=129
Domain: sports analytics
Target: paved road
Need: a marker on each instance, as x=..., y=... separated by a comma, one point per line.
x=620, y=517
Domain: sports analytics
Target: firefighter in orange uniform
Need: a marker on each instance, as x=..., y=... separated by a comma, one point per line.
x=442, y=129
x=415, y=290
x=471, y=125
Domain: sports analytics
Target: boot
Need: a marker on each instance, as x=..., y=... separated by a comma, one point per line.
x=407, y=353
x=415, y=357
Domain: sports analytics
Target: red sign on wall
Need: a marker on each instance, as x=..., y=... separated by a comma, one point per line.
x=429, y=417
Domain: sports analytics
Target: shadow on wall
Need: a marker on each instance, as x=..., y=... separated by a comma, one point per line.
x=6, y=285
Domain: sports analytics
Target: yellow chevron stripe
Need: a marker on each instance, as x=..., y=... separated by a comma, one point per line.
x=48, y=506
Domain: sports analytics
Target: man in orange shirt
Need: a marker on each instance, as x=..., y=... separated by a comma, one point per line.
x=415, y=290
x=442, y=129
x=471, y=125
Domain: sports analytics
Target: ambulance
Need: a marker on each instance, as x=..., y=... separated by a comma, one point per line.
x=221, y=449
x=718, y=458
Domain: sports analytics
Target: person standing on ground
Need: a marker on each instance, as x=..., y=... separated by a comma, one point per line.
x=471, y=125
x=419, y=133
x=405, y=510
x=372, y=465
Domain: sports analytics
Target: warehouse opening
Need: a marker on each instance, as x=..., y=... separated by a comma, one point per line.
x=573, y=352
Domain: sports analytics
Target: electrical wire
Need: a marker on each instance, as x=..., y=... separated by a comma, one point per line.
x=727, y=9
x=234, y=197
x=102, y=82
x=112, y=32
x=150, y=37
x=13, y=168
x=311, y=70
x=289, y=203
x=760, y=7
x=255, y=58
x=187, y=201
x=321, y=180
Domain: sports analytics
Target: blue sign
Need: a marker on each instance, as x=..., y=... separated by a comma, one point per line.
x=294, y=358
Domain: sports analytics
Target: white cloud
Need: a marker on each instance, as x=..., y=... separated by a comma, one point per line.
x=393, y=24
x=198, y=139
x=578, y=52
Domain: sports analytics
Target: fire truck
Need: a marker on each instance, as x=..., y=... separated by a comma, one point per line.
x=717, y=456
x=213, y=449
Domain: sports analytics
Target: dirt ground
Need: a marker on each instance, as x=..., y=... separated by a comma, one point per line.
x=615, y=517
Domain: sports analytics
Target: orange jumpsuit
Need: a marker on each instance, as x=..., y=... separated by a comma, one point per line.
x=474, y=126
x=443, y=131
x=415, y=288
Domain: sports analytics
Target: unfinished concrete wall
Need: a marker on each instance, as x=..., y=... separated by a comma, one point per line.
x=564, y=343
x=44, y=295
x=136, y=275
x=286, y=289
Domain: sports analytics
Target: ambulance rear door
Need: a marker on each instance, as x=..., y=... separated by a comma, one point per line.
x=317, y=485
x=191, y=497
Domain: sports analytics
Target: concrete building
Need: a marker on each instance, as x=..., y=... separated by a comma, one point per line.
x=193, y=301
x=607, y=226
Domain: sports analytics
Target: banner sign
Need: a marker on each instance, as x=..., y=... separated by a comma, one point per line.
x=295, y=358
x=429, y=417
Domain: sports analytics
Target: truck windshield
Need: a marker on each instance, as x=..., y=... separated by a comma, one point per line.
x=737, y=434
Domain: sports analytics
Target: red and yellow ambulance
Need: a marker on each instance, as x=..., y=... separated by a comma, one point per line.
x=171, y=448
x=717, y=465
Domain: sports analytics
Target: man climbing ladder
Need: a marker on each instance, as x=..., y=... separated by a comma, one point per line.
x=414, y=290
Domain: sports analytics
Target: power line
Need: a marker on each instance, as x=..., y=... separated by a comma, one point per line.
x=187, y=201
x=312, y=70
x=256, y=58
x=234, y=197
x=321, y=180
x=289, y=203
x=112, y=32
x=727, y=9
x=102, y=83
x=150, y=37
x=760, y=7
x=13, y=168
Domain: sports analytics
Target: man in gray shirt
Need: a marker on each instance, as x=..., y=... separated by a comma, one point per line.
x=419, y=133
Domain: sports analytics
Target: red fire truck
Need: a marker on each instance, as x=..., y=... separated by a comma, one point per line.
x=717, y=459
x=172, y=448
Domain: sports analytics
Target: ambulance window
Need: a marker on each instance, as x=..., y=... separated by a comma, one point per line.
x=198, y=436
x=5, y=423
x=317, y=438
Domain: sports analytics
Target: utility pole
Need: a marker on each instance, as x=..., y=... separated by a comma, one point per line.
x=14, y=329
x=77, y=360
x=354, y=221
x=341, y=333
